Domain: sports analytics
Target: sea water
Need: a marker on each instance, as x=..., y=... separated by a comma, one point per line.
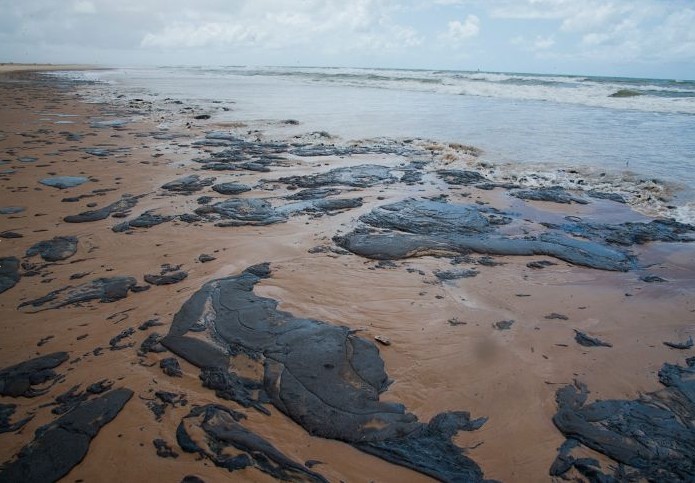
x=644, y=127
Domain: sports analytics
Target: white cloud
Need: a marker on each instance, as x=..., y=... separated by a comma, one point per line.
x=458, y=31
x=185, y=35
x=641, y=38
x=274, y=24
x=675, y=37
x=532, y=9
x=596, y=33
x=542, y=43
x=84, y=6
x=597, y=16
x=635, y=31
x=539, y=43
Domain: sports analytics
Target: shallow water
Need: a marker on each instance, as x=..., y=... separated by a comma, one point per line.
x=548, y=121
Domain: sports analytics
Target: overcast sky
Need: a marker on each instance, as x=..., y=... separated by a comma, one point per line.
x=646, y=38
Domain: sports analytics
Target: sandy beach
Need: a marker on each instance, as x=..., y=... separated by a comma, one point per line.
x=10, y=67
x=458, y=324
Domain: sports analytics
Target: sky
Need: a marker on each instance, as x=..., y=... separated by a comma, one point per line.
x=634, y=38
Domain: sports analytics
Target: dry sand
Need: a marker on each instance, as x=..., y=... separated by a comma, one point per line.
x=508, y=376
x=10, y=67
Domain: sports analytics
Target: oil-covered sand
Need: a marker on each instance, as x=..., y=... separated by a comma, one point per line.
x=334, y=307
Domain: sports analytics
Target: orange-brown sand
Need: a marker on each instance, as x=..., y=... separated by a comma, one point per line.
x=508, y=376
x=11, y=67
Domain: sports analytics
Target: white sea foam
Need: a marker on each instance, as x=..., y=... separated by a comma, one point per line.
x=650, y=197
x=652, y=95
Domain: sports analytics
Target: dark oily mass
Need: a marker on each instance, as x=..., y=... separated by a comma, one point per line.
x=121, y=206
x=430, y=450
x=9, y=273
x=242, y=211
x=55, y=249
x=322, y=376
x=11, y=210
x=188, y=184
x=231, y=188
x=102, y=289
x=588, y=341
x=447, y=275
x=461, y=177
x=6, y=413
x=554, y=194
x=167, y=278
x=600, y=195
x=320, y=206
x=63, y=182
x=333, y=150
x=223, y=431
x=362, y=176
x=72, y=398
x=171, y=367
x=313, y=194
x=652, y=437
x=688, y=344
x=413, y=228
x=240, y=154
x=61, y=445
x=431, y=217
x=18, y=380
x=163, y=449
x=259, y=212
x=146, y=220
x=630, y=233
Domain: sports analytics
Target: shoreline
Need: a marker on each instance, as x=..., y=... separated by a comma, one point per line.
x=509, y=376
x=6, y=68
x=631, y=168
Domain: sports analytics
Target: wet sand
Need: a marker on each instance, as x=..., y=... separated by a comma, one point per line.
x=445, y=352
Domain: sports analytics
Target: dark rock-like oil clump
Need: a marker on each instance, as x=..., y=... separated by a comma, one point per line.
x=313, y=194
x=324, y=377
x=259, y=212
x=61, y=445
x=587, y=341
x=630, y=233
x=362, y=176
x=224, y=433
x=56, y=249
x=461, y=177
x=102, y=289
x=231, y=188
x=146, y=220
x=6, y=413
x=242, y=211
x=20, y=379
x=167, y=278
x=64, y=182
x=651, y=438
x=119, y=207
x=413, y=228
x=188, y=184
x=554, y=194
x=9, y=273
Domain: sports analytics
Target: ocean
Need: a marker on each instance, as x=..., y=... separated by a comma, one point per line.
x=633, y=129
